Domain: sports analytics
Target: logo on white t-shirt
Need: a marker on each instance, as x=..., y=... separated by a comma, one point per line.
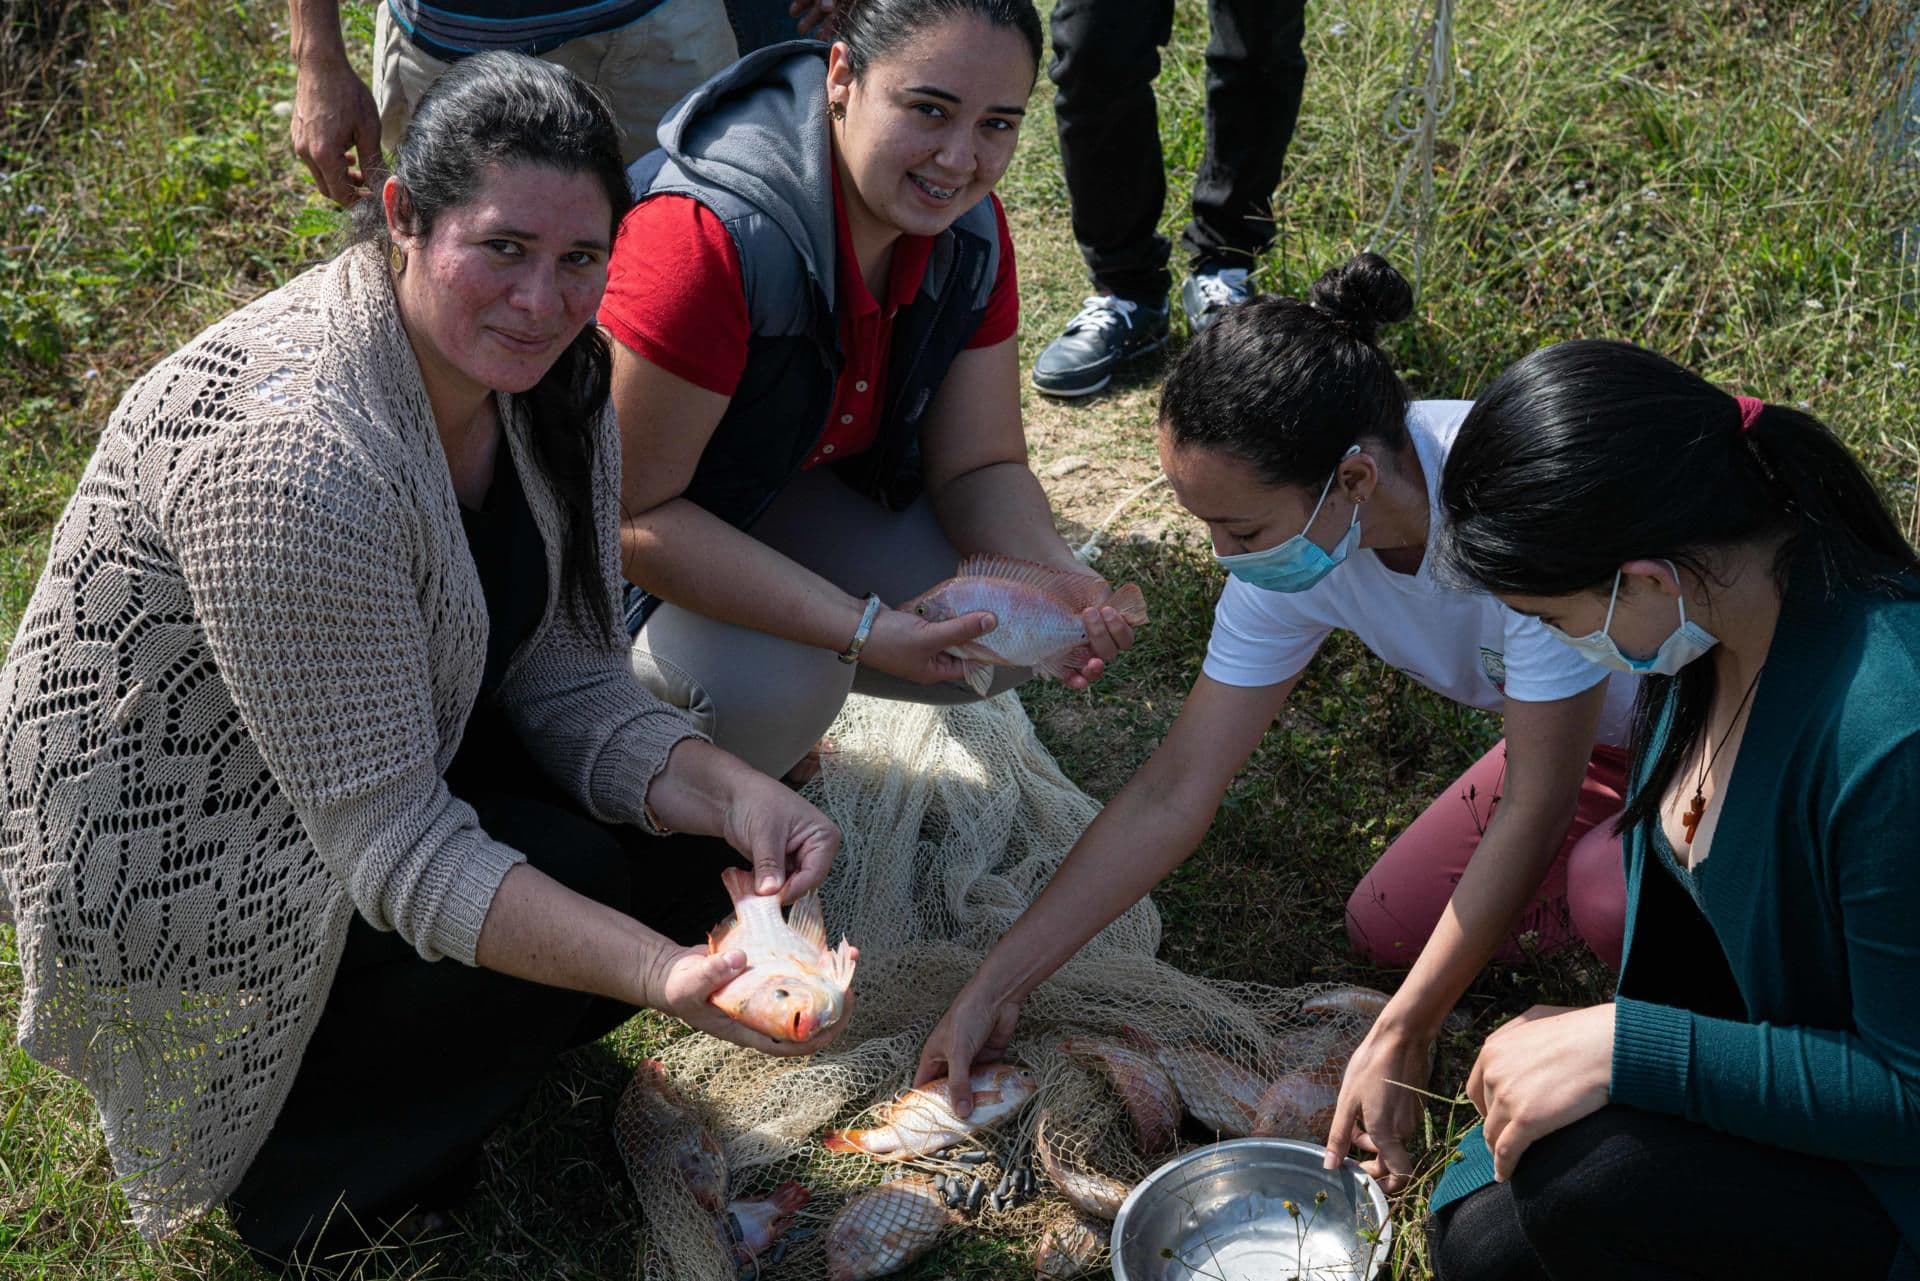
x=1493, y=665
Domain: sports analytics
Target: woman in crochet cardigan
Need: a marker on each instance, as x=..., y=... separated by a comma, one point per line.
x=321, y=684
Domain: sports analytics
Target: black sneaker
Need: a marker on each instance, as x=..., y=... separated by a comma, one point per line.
x=1107, y=331
x=1209, y=293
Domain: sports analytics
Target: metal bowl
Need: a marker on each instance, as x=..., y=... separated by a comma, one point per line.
x=1221, y=1213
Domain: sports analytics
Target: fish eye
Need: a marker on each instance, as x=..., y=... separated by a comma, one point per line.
x=779, y=994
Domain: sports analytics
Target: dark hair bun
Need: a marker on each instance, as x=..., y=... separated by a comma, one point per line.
x=1363, y=293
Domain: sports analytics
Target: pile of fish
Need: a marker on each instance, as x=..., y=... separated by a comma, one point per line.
x=658, y=1132
x=794, y=988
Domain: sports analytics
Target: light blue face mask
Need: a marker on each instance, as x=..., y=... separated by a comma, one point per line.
x=1298, y=563
x=1688, y=641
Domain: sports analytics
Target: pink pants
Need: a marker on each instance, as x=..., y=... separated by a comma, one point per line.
x=1584, y=896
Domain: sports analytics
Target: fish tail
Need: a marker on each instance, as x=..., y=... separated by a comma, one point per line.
x=1131, y=603
x=845, y=1141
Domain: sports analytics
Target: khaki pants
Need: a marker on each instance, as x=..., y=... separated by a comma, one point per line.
x=769, y=700
x=642, y=68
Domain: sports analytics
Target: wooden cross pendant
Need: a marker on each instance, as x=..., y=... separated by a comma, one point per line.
x=1690, y=821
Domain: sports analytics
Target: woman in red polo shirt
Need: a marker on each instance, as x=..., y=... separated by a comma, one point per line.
x=816, y=376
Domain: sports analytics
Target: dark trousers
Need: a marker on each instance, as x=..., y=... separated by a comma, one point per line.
x=413, y=1064
x=1631, y=1194
x=1105, y=57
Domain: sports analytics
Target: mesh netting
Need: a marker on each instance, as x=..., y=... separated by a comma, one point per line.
x=954, y=818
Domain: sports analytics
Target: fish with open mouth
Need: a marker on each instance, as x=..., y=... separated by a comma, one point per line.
x=1036, y=611
x=793, y=988
x=923, y=1121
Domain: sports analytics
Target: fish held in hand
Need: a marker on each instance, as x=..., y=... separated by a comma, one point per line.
x=793, y=988
x=1145, y=1089
x=884, y=1229
x=923, y=1121
x=656, y=1128
x=1036, y=612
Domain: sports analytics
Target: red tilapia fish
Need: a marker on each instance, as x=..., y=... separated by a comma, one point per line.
x=1143, y=1085
x=1070, y=1248
x=1217, y=1092
x=751, y=1225
x=1036, y=611
x=1087, y=1191
x=656, y=1128
x=884, y=1229
x=923, y=1121
x=793, y=988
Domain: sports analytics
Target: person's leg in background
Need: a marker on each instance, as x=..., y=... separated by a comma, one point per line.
x=643, y=68
x=1393, y=910
x=401, y=74
x=1256, y=76
x=1106, y=54
x=1596, y=862
x=647, y=66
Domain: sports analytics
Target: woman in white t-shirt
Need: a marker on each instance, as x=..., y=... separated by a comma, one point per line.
x=1284, y=428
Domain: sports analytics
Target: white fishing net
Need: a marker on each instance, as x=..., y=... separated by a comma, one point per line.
x=954, y=818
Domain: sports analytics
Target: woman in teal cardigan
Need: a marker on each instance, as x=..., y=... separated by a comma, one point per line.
x=1749, y=1102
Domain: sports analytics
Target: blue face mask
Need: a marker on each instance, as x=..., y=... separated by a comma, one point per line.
x=1298, y=563
x=1688, y=642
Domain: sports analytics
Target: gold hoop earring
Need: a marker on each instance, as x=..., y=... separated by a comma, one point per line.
x=396, y=259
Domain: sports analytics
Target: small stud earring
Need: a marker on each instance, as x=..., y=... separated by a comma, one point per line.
x=396, y=259
x=838, y=110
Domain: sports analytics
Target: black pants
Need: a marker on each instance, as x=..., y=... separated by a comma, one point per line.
x=413, y=1064
x=1626, y=1194
x=1105, y=58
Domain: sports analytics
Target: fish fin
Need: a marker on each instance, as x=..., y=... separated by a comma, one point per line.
x=1131, y=603
x=844, y=1141
x=717, y=936
x=841, y=961
x=739, y=884
x=978, y=676
x=1074, y=590
x=805, y=919
x=790, y=1196
x=1064, y=664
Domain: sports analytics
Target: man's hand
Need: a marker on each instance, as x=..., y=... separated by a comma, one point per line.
x=336, y=128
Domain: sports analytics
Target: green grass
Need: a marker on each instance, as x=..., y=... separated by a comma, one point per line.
x=1708, y=178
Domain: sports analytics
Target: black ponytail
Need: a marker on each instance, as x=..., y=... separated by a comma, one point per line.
x=1589, y=454
x=1287, y=385
x=508, y=109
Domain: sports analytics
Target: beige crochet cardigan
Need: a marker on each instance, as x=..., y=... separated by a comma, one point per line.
x=228, y=708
